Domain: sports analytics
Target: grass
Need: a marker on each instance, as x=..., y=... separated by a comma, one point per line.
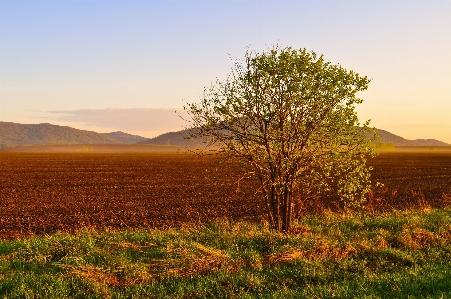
x=390, y=255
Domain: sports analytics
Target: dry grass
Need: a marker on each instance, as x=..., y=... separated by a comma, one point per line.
x=234, y=257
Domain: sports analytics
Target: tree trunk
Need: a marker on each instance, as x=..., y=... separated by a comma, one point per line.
x=287, y=212
x=279, y=209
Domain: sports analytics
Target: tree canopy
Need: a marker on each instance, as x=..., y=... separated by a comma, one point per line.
x=290, y=116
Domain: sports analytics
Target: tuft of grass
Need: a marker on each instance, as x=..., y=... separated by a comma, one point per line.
x=391, y=255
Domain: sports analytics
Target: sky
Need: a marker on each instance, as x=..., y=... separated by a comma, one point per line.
x=129, y=65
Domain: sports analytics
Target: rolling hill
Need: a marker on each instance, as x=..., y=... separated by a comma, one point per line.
x=125, y=137
x=172, y=138
x=178, y=139
x=387, y=137
x=14, y=134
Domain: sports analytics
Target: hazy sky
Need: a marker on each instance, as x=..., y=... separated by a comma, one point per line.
x=127, y=65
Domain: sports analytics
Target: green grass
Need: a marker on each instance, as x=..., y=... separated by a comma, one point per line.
x=395, y=255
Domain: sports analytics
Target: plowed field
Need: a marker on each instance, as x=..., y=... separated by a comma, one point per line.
x=43, y=193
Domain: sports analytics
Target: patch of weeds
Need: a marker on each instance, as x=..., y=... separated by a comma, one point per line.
x=392, y=255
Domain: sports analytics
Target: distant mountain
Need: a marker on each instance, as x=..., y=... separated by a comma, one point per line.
x=13, y=134
x=430, y=142
x=125, y=137
x=172, y=138
x=179, y=139
x=387, y=137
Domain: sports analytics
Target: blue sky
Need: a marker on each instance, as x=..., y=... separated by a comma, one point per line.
x=127, y=65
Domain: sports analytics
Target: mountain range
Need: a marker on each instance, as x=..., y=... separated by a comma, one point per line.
x=179, y=139
x=14, y=134
x=387, y=137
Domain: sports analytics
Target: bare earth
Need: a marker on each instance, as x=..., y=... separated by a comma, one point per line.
x=66, y=188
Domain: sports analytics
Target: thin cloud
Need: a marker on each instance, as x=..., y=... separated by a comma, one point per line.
x=134, y=119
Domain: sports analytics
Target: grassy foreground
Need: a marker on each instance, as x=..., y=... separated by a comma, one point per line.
x=393, y=255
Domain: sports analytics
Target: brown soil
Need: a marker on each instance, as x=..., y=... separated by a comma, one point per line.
x=41, y=193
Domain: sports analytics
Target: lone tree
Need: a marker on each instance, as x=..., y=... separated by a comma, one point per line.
x=289, y=115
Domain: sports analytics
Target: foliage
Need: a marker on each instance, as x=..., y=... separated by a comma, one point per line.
x=392, y=255
x=385, y=146
x=289, y=115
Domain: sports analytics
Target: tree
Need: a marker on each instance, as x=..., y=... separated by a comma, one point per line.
x=290, y=116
